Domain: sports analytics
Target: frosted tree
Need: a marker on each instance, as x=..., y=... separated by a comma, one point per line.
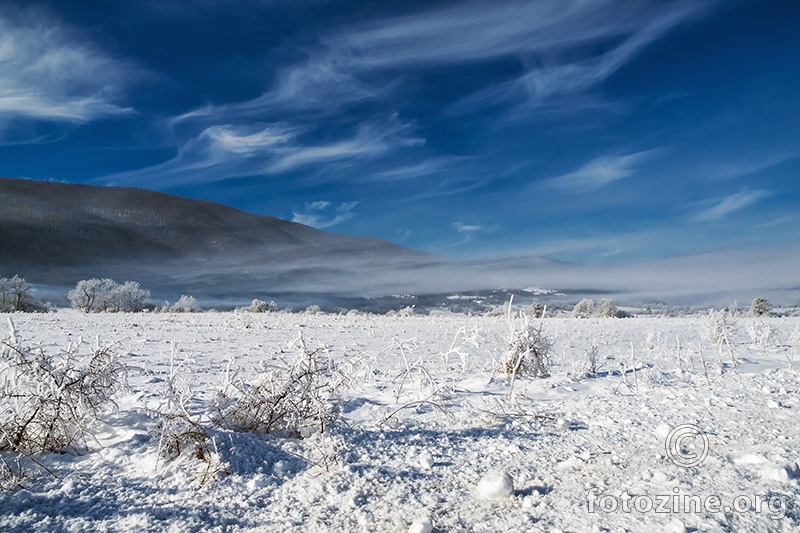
x=606, y=309
x=91, y=294
x=16, y=294
x=106, y=295
x=583, y=309
x=760, y=307
x=130, y=297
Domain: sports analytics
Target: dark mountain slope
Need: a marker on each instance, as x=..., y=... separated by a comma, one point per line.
x=58, y=233
x=62, y=224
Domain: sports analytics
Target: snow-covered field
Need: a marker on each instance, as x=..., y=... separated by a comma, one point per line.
x=430, y=438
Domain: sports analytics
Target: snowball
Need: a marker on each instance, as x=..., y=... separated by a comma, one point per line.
x=282, y=468
x=422, y=524
x=496, y=485
x=425, y=459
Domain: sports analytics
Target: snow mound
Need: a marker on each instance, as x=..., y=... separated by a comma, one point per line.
x=422, y=524
x=496, y=485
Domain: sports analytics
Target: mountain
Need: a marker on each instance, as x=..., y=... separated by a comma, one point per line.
x=55, y=234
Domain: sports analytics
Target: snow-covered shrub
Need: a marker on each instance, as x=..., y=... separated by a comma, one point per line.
x=182, y=433
x=257, y=306
x=11, y=475
x=463, y=343
x=794, y=340
x=185, y=304
x=762, y=335
x=406, y=311
x=292, y=400
x=527, y=352
x=287, y=401
x=590, y=359
x=500, y=310
x=106, y=295
x=760, y=307
x=16, y=294
x=583, y=309
x=717, y=327
x=606, y=309
x=48, y=401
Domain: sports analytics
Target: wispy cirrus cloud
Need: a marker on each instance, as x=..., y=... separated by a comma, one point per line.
x=745, y=166
x=47, y=73
x=563, y=47
x=552, y=40
x=723, y=207
x=466, y=228
x=249, y=139
x=258, y=149
x=323, y=214
x=600, y=172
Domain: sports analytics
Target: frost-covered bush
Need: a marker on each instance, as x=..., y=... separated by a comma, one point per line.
x=527, y=352
x=16, y=294
x=583, y=309
x=717, y=327
x=406, y=311
x=185, y=304
x=606, y=309
x=762, y=335
x=290, y=401
x=106, y=295
x=48, y=401
x=256, y=306
x=11, y=474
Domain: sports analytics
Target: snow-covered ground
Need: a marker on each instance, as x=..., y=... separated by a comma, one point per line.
x=430, y=438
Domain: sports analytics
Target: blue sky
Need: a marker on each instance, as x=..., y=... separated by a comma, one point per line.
x=604, y=131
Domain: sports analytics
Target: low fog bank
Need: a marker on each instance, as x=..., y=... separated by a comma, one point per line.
x=713, y=278
x=351, y=280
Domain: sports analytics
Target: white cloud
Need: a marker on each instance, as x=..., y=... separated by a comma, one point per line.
x=600, y=172
x=466, y=228
x=236, y=139
x=323, y=214
x=234, y=150
x=310, y=155
x=47, y=73
x=549, y=37
x=744, y=166
x=730, y=204
x=552, y=39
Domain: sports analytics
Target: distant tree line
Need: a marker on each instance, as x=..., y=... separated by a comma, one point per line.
x=90, y=296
